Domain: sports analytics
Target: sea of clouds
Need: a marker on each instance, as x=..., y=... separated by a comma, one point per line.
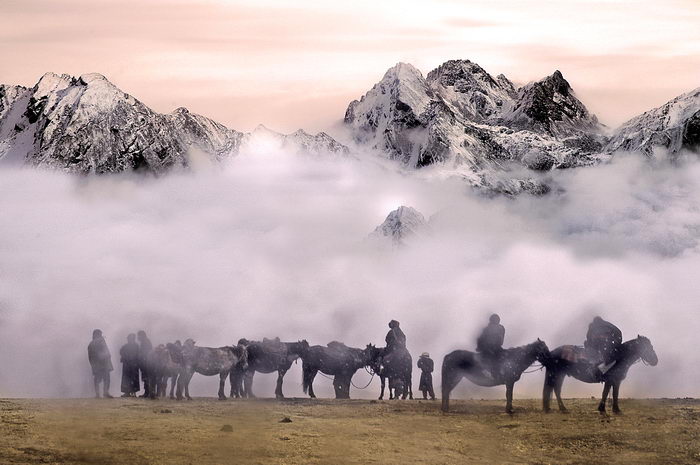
x=276, y=245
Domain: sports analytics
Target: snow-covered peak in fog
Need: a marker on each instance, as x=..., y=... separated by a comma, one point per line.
x=400, y=225
x=672, y=126
x=88, y=125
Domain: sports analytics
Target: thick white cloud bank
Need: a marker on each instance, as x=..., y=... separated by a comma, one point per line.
x=274, y=245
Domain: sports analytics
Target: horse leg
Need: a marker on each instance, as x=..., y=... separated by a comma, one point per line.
x=449, y=382
x=222, y=384
x=558, y=383
x=381, y=393
x=604, y=397
x=173, y=382
x=248, y=384
x=616, y=392
x=409, y=387
x=232, y=382
x=312, y=376
x=278, y=389
x=509, y=397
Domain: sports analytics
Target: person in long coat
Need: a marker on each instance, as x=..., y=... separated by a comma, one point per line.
x=129, y=354
x=426, y=366
x=100, y=362
x=145, y=348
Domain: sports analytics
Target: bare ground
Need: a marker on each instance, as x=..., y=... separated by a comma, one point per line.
x=135, y=431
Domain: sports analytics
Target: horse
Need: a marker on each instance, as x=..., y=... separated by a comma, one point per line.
x=338, y=360
x=269, y=356
x=566, y=360
x=209, y=361
x=164, y=362
x=513, y=362
x=397, y=367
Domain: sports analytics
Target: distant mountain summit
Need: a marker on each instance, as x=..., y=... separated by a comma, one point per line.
x=459, y=120
x=88, y=125
x=674, y=126
x=401, y=225
x=463, y=117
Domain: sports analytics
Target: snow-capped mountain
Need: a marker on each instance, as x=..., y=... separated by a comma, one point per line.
x=673, y=126
x=465, y=119
x=401, y=225
x=88, y=125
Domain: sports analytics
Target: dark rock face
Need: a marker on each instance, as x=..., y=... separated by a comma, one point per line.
x=550, y=106
x=671, y=128
x=691, y=134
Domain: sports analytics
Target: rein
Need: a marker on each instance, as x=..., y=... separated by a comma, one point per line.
x=357, y=387
x=534, y=369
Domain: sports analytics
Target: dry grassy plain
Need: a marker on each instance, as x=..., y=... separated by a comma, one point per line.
x=135, y=431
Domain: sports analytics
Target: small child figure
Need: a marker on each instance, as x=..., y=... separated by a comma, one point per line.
x=426, y=365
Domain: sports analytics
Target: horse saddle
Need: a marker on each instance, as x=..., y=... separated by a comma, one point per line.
x=575, y=354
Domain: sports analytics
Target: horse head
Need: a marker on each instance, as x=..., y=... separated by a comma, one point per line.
x=241, y=351
x=373, y=357
x=540, y=350
x=646, y=351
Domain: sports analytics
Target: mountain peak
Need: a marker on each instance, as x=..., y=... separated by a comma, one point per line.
x=92, y=77
x=401, y=224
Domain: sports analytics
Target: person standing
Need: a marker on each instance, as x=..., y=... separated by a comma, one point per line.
x=101, y=363
x=145, y=348
x=426, y=366
x=129, y=354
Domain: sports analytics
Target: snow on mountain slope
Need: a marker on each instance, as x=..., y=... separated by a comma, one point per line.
x=88, y=125
x=401, y=225
x=673, y=126
x=463, y=118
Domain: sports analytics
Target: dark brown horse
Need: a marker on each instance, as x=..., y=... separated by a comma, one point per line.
x=269, y=356
x=209, y=361
x=337, y=360
x=396, y=366
x=164, y=362
x=567, y=360
x=513, y=362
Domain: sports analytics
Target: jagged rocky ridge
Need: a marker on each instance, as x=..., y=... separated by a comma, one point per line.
x=458, y=119
x=88, y=125
x=464, y=120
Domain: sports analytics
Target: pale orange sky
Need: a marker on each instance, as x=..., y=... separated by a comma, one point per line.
x=291, y=64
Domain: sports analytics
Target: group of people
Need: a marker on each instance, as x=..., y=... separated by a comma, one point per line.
x=134, y=359
x=602, y=343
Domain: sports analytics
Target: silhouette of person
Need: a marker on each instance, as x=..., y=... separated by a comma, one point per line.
x=145, y=349
x=490, y=342
x=604, y=340
x=101, y=363
x=129, y=354
x=395, y=338
x=426, y=366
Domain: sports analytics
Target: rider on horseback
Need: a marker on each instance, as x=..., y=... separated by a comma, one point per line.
x=490, y=344
x=395, y=338
x=604, y=340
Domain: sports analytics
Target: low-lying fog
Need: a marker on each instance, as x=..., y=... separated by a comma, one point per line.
x=274, y=245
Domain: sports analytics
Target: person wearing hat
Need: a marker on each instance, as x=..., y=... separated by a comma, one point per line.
x=426, y=366
x=395, y=338
x=490, y=344
x=101, y=363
